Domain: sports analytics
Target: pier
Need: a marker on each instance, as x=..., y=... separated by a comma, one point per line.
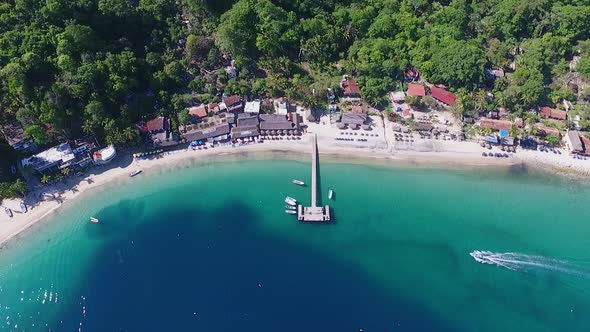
x=314, y=213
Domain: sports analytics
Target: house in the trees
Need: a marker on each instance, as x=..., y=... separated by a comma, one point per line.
x=232, y=104
x=281, y=105
x=552, y=113
x=351, y=91
x=416, y=90
x=159, y=131
x=442, y=95
x=197, y=113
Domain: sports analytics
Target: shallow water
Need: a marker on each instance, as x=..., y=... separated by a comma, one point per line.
x=209, y=248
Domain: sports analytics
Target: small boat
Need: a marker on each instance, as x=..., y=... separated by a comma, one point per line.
x=8, y=212
x=299, y=183
x=94, y=220
x=290, y=211
x=134, y=173
x=290, y=207
x=23, y=207
x=290, y=200
x=330, y=194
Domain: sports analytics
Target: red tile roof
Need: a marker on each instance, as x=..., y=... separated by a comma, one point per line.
x=198, y=111
x=495, y=124
x=443, y=95
x=544, y=130
x=406, y=113
x=232, y=100
x=416, y=90
x=350, y=87
x=156, y=124
x=213, y=107
x=552, y=113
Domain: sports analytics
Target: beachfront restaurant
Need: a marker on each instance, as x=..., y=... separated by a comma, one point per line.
x=353, y=120
x=218, y=133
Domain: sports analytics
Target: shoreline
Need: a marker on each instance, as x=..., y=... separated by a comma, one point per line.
x=46, y=201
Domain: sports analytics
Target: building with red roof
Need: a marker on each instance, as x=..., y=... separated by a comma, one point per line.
x=417, y=90
x=495, y=124
x=552, y=113
x=351, y=90
x=198, y=111
x=443, y=95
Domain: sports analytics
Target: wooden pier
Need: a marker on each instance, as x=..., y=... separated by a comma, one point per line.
x=314, y=213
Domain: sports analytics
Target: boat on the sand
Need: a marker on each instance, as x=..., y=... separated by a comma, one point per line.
x=8, y=212
x=136, y=172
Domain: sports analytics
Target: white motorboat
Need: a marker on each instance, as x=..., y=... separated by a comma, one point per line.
x=290, y=211
x=134, y=173
x=299, y=182
x=94, y=220
x=330, y=194
x=290, y=207
x=290, y=200
x=8, y=212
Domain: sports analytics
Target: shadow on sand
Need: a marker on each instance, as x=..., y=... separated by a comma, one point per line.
x=193, y=269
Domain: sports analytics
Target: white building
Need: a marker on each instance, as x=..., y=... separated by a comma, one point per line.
x=60, y=156
x=252, y=107
x=105, y=155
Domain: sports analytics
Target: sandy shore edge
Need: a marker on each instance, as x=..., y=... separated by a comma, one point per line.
x=46, y=201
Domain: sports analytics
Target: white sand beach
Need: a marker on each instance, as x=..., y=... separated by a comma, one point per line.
x=421, y=152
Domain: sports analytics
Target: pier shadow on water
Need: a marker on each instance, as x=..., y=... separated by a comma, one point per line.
x=194, y=269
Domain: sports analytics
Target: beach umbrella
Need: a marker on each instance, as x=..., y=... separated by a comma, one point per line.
x=272, y=132
x=290, y=132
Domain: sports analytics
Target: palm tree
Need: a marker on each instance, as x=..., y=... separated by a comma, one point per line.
x=45, y=179
x=65, y=171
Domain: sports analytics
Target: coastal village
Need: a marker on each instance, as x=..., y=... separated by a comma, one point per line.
x=419, y=120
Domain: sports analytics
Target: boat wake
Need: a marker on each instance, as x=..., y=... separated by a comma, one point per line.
x=531, y=263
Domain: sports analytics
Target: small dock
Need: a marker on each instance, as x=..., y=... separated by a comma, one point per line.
x=314, y=213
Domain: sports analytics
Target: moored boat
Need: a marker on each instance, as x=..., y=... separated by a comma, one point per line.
x=330, y=194
x=134, y=173
x=290, y=207
x=94, y=220
x=8, y=212
x=290, y=200
x=299, y=182
x=290, y=211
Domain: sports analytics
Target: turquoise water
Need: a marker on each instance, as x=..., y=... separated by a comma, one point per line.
x=209, y=248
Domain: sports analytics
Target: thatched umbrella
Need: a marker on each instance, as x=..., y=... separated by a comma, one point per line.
x=273, y=132
x=263, y=132
x=290, y=132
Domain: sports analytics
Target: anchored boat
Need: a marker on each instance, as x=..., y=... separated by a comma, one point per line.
x=94, y=220
x=290, y=211
x=330, y=194
x=299, y=182
x=290, y=207
x=290, y=200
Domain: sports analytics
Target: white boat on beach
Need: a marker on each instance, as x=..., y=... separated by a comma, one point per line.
x=299, y=182
x=8, y=212
x=290, y=200
x=290, y=211
x=23, y=207
x=330, y=194
x=134, y=173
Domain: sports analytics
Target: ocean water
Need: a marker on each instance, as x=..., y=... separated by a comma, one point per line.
x=209, y=248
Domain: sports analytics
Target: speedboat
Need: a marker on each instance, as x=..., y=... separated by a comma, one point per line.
x=134, y=173
x=94, y=220
x=330, y=194
x=299, y=183
x=290, y=207
x=290, y=211
x=8, y=212
x=290, y=200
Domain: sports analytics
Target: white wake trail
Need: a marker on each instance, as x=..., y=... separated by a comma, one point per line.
x=531, y=263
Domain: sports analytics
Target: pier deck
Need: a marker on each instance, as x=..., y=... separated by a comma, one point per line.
x=313, y=213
